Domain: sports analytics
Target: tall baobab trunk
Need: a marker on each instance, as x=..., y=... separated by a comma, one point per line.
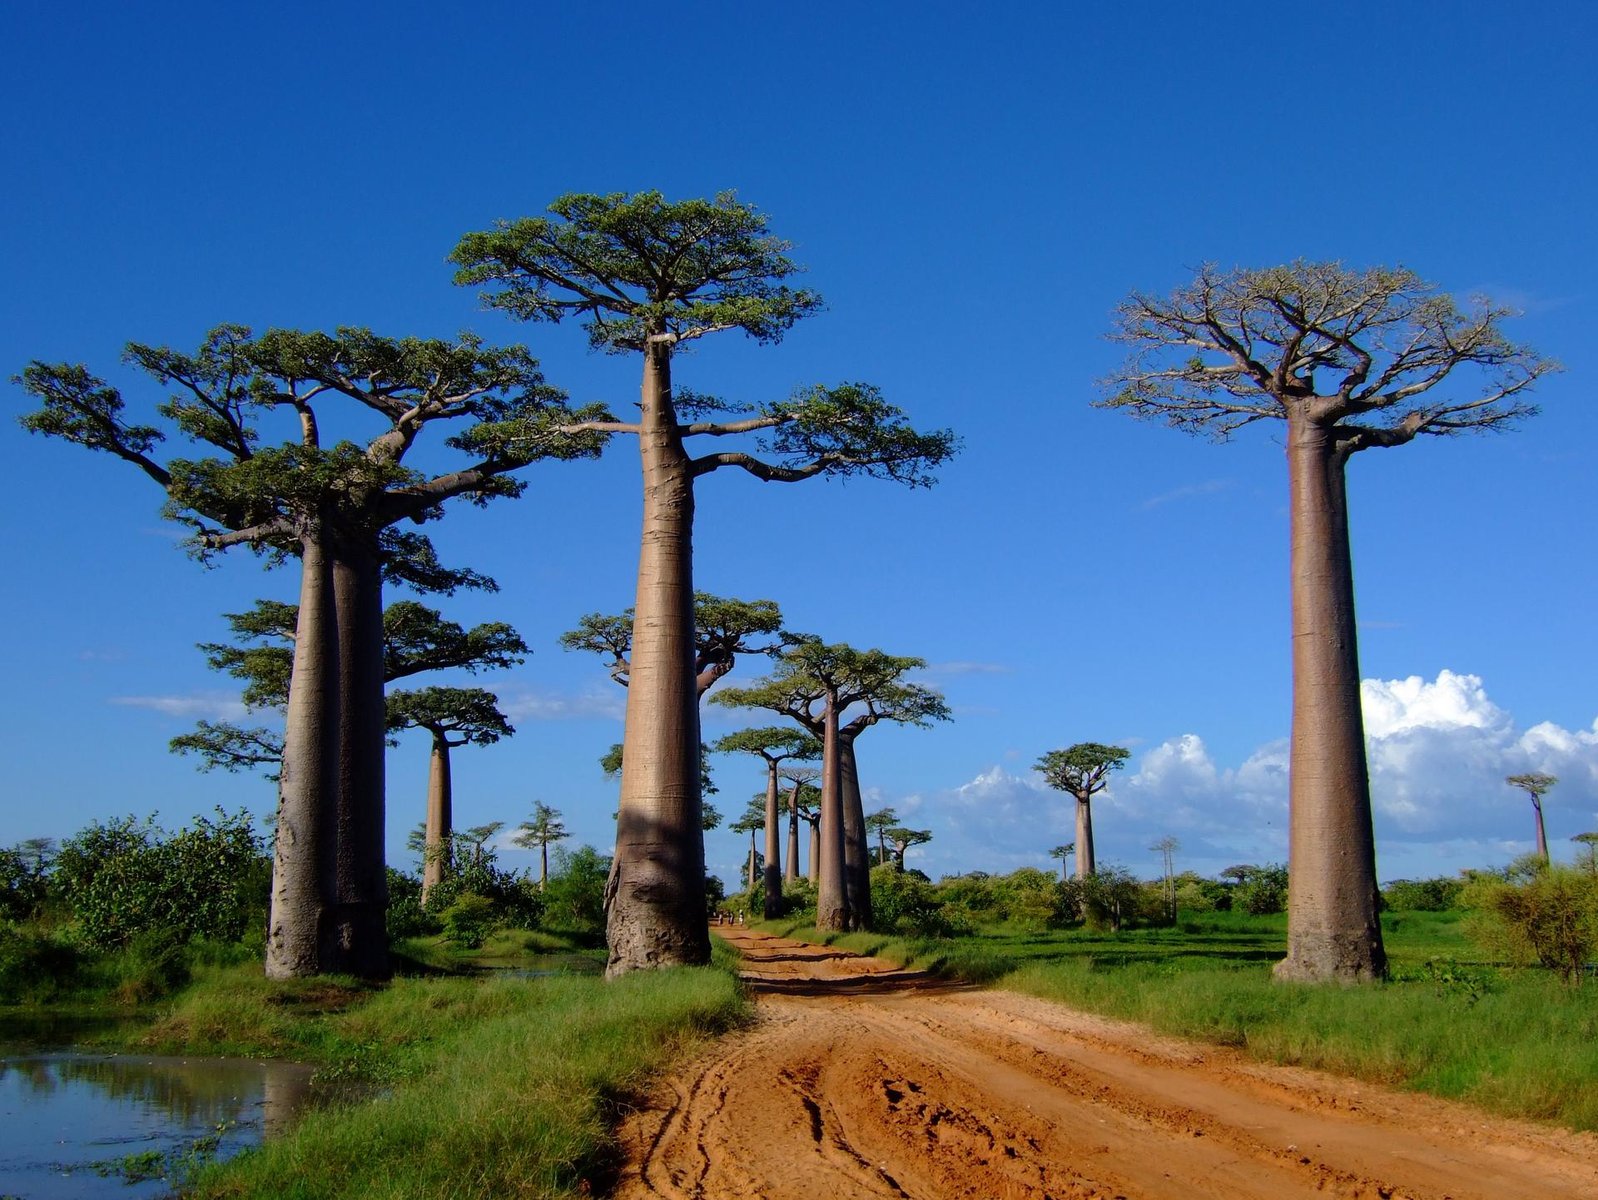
x=832, y=903
x=1085, y=862
x=772, y=905
x=856, y=838
x=1333, y=933
x=440, y=815
x=543, y=864
x=790, y=872
x=1542, y=833
x=303, y=861
x=655, y=899
x=753, y=859
x=814, y=862
x=359, y=931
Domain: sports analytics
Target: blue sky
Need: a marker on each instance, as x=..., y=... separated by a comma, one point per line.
x=972, y=193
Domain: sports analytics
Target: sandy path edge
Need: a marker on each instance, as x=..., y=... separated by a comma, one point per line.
x=862, y=1079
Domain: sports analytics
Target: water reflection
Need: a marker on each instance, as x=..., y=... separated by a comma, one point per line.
x=64, y=1115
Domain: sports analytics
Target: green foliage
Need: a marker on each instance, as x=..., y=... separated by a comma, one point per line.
x=1423, y=895
x=24, y=878
x=575, y=893
x=634, y=265
x=406, y=917
x=1081, y=769
x=475, y=871
x=1195, y=894
x=1260, y=890
x=1550, y=919
x=469, y=920
x=127, y=877
x=37, y=967
x=903, y=902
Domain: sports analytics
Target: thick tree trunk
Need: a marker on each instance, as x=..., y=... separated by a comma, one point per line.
x=303, y=861
x=1332, y=929
x=1085, y=862
x=543, y=864
x=749, y=882
x=856, y=839
x=772, y=905
x=655, y=903
x=814, y=862
x=1542, y=833
x=360, y=930
x=832, y=903
x=790, y=872
x=440, y=816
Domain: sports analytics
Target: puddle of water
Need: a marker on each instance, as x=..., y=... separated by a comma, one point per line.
x=67, y=1118
x=543, y=965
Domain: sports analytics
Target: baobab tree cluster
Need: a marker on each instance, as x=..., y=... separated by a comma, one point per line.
x=1343, y=360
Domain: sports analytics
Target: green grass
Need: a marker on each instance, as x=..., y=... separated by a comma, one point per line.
x=1451, y=1024
x=482, y=1088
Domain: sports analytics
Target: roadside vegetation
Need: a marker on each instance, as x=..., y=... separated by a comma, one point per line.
x=491, y=1065
x=1484, y=1001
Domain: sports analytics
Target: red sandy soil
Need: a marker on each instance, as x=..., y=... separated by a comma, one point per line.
x=861, y=1079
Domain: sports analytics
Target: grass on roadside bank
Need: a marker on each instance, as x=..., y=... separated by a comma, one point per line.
x=1513, y=1041
x=484, y=1088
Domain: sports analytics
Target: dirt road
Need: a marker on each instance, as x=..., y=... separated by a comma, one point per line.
x=862, y=1080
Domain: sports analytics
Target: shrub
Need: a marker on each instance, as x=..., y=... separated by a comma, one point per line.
x=902, y=902
x=406, y=916
x=128, y=877
x=34, y=966
x=470, y=920
x=1110, y=897
x=1422, y=895
x=24, y=884
x=575, y=894
x=1551, y=918
x=1262, y=890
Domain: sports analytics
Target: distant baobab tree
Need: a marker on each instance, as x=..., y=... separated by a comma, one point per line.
x=1348, y=361
x=1536, y=785
x=1083, y=770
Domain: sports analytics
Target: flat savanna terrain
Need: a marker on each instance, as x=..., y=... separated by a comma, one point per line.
x=863, y=1079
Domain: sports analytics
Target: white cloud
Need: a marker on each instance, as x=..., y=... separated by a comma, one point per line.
x=533, y=705
x=1208, y=488
x=1439, y=752
x=210, y=706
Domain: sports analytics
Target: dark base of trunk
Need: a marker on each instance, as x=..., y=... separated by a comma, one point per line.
x=641, y=941
x=833, y=920
x=360, y=941
x=773, y=900
x=1331, y=958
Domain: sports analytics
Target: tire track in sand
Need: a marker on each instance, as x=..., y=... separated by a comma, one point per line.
x=861, y=1079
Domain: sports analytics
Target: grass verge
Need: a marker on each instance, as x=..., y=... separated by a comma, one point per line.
x=483, y=1089
x=1516, y=1042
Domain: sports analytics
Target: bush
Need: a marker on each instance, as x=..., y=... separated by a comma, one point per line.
x=406, y=916
x=1422, y=895
x=902, y=902
x=24, y=884
x=470, y=920
x=1263, y=890
x=1551, y=918
x=1110, y=898
x=153, y=964
x=35, y=967
x=574, y=897
x=127, y=877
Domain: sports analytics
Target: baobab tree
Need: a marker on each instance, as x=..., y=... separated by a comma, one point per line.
x=774, y=746
x=1536, y=785
x=880, y=821
x=1349, y=361
x=1083, y=770
x=815, y=684
x=902, y=839
x=647, y=277
x=541, y=829
x=329, y=506
x=1167, y=847
x=453, y=717
x=724, y=628
x=1062, y=853
x=804, y=804
x=752, y=821
x=416, y=639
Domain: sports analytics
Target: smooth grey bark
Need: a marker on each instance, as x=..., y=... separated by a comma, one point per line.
x=1085, y=862
x=440, y=815
x=857, y=841
x=655, y=901
x=772, y=875
x=791, y=867
x=832, y=903
x=1333, y=930
x=360, y=931
x=303, y=859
